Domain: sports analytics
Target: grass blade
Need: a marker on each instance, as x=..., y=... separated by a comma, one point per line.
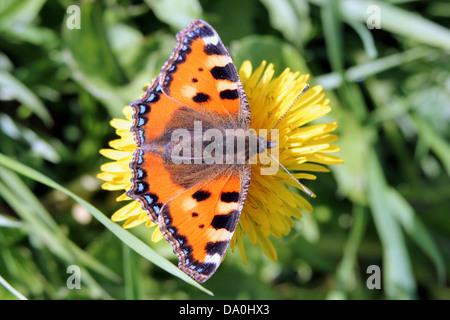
x=177, y=14
x=31, y=210
x=436, y=143
x=25, y=96
x=129, y=239
x=404, y=213
x=398, y=279
x=11, y=289
x=366, y=38
x=40, y=234
x=333, y=34
x=399, y=21
x=354, y=73
x=291, y=18
x=396, y=20
x=345, y=274
x=133, y=285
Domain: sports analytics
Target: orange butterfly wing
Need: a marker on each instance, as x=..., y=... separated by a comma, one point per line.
x=201, y=74
x=197, y=206
x=152, y=114
x=200, y=223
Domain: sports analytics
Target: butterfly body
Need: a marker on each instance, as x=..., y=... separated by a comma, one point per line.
x=194, y=187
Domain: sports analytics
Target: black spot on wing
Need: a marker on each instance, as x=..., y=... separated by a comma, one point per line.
x=216, y=247
x=227, y=72
x=229, y=197
x=201, y=195
x=229, y=94
x=224, y=221
x=212, y=49
x=201, y=97
x=205, y=31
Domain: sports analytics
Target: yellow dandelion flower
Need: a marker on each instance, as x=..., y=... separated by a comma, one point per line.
x=270, y=205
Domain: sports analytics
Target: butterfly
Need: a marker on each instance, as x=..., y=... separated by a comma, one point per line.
x=196, y=205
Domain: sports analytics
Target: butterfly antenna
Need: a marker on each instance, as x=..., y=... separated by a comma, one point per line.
x=312, y=195
x=296, y=99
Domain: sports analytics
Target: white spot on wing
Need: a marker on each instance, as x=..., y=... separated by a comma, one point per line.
x=189, y=204
x=217, y=61
x=215, y=258
x=212, y=40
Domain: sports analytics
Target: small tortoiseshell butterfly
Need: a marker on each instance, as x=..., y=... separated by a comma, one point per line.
x=196, y=205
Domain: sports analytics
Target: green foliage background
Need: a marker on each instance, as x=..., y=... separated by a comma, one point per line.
x=388, y=205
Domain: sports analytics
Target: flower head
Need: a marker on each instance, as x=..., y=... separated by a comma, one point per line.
x=271, y=204
x=272, y=201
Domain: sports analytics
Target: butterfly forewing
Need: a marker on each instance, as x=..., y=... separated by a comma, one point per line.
x=201, y=74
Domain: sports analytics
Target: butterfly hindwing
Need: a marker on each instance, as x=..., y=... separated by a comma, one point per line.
x=151, y=184
x=200, y=222
x=152, y=114
x=196, y=206
x=155, y=179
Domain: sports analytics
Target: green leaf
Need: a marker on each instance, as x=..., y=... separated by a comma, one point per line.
x=234, y=26
x=178, y=14
x=354, y=143
x=133, y=283
x=95, y=59
x=44, y=231
x=399, y=21
x=259, y=48
x=37, y=145
x=291, y=18
x=12, y=88
x=90, y=47
x=366, y=37
x=436, y=143
x=17, y=15
x=332, y=25
x=345, y=274
x=398, y=279
x=8, y=222
x=5, y=62
x=405, y=215
x=354, y=73
x=126, y=43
